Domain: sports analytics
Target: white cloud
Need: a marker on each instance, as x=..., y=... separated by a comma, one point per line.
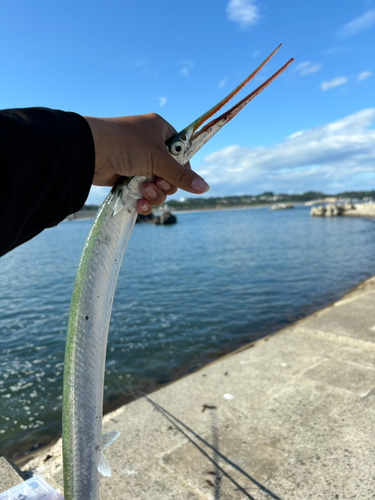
x=336, y=82
x=363, y=75
x=222, y=83
x=162, y=101
x=186, y=67
x=361, y=23
x=243, y=12
x=339, y=50
x=332, y=157
x=306, y=68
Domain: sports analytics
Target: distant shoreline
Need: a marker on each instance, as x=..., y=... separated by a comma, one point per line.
x=221, y=209
x=90, y=214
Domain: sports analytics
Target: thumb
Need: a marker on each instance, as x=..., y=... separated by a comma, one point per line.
x=181, y=176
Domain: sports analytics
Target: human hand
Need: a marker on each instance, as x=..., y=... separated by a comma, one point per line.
x=135, y=146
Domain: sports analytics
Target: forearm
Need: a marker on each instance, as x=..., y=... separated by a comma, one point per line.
x=47, y=164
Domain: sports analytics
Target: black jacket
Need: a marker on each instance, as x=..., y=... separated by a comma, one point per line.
x=47, y=160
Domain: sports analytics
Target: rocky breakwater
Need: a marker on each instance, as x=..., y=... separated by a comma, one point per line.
x=348, y=208
x=164, y=218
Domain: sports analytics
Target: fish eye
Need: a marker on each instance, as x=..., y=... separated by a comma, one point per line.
x=177, y=148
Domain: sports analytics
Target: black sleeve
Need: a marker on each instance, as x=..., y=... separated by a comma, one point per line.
x=47, y=160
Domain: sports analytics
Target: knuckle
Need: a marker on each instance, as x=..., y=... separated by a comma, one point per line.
x=155, y=116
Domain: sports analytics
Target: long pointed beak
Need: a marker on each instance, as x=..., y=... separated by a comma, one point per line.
x=228, y=115
x=194, y=139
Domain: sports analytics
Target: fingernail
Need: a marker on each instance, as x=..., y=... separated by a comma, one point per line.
x=200, y=185
x=144, y=208
x=151, y=192
x=164, y=185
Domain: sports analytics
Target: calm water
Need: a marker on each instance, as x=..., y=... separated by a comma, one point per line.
x=186, y=294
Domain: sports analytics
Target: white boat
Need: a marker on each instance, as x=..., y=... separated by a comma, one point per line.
x=282, y=206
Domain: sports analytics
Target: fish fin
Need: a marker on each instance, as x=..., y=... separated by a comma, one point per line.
x=103, y=466
x=108, y=438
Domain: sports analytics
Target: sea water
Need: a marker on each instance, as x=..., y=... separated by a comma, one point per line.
x=186, y=294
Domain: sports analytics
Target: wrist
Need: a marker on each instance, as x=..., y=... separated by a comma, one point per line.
x=101, y=137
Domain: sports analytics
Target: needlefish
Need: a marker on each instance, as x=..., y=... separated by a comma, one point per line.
x=91, y=305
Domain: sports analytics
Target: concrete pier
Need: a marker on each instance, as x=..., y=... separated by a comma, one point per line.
x=291, y=416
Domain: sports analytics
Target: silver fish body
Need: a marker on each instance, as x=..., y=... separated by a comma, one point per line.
x=86, y=342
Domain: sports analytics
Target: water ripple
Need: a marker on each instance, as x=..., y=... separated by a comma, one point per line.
x=212, y=282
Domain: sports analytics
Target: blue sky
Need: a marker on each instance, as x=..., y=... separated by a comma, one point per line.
x=313, y=128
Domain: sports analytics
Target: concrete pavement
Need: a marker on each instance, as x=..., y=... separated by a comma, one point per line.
x=291, y=416
x=9, y=475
